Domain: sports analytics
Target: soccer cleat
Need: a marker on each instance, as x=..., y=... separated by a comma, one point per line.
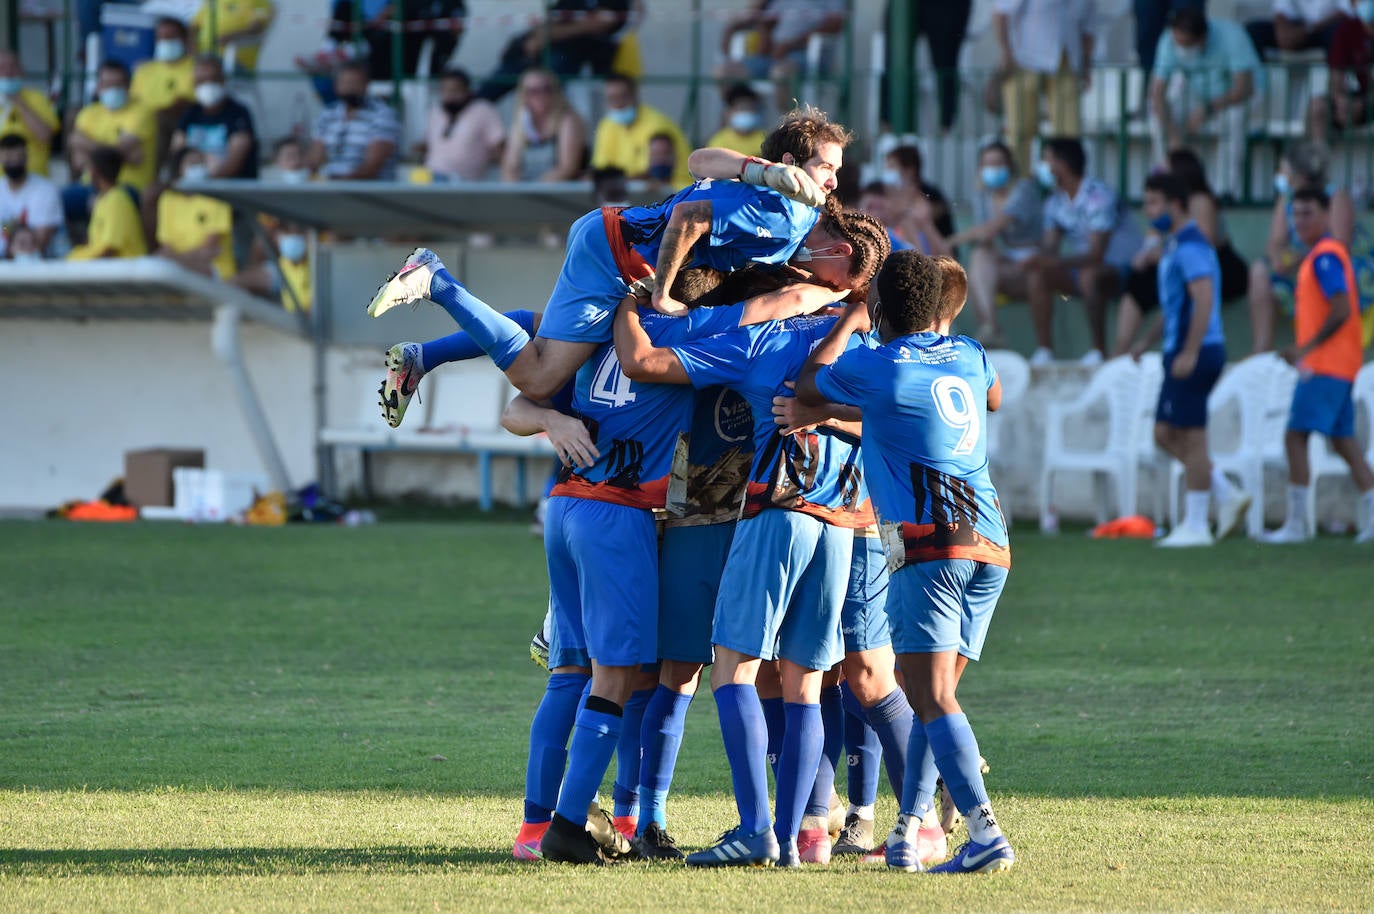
x=1230, y=513
x=877, y=855
x=602, y=828
x=735, y=848
x=973, y=857
x=898, y=852
x=403, y=374
x=528, y=839
x=625, y=825
x=1185, y=537
x=408, y=284
x=855, y=838
x=931, y=844
x=654, y=843
x=566, y=842
x=539, y=649
x=813, y=840
x=949, y=813
x=835, y=821
x=788, y=855
x=1288, y=533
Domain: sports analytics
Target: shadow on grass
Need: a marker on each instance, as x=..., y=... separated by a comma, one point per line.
x=184, y=861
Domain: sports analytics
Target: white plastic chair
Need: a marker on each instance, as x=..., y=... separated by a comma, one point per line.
x=1117, y=386
x=1324, y=462
x=1148, y=455
x=1014, y=372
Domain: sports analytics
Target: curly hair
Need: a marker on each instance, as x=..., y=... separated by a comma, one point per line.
x=800, y=132
x=953, y=289
x=910, y=287
x=866, y=235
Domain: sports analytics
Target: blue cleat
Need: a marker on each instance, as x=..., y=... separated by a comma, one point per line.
x=787, y=853
x=979, y=858
x=735, y=848
x=900, y=852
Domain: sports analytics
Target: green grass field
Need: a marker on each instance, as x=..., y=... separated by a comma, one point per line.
x=331, y=719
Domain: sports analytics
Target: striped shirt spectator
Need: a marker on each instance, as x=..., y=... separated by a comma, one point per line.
x=355, y=138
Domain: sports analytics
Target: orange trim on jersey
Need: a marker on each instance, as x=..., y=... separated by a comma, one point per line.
x=760, y=496
x=632, y=267
x=934, y=543
x=649, y=495
x=1341, y=355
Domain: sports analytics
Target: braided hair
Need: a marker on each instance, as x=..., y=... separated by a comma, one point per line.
x=866, y=235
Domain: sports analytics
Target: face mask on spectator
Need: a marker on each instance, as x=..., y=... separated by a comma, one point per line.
x=995, y=177
x=1188, y=54
x=27, y=257
x=623, y=116
x=1282, y=186
x=748, y=121
x=892, y=177
x=352, y=100
x=10, y=85
x=114, y=98
x=452, y=108
x=168, y=49
x=292, y=247
x=210, y=94
x=16, y=172
x=195, y=173
x=1044, y=175
x=661, y=172
x=295, y=176
x=1163, y=222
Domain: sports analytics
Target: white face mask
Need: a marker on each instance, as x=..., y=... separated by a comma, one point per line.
x=169, y=49
x=195, y=173
x=295, y=176
x=1188, y=55
x=892, y=177
x=27, y=257
x=210, y=94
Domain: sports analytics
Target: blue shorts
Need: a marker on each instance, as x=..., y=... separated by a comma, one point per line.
x=1323, y=404
x=581, y=308
x=943, y=606
x=603, y=579
x=863, y=621
x=690, y=563
x=783, y=589
x=565, y=656
x=1183, y=401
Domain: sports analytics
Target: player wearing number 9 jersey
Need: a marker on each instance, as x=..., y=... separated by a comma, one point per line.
x=924, y=398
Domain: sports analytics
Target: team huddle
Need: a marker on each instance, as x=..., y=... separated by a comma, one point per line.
x=773, y=463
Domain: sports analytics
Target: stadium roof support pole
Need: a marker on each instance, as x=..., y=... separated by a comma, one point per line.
x=224, y=340
x=397, y=23
x=901, y=41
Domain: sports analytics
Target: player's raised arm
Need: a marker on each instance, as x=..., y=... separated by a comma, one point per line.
x=726, y=165
x=854, y=320
x=640, y=359
x=689, y=223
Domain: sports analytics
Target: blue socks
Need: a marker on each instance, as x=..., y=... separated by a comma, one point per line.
x=664, y=720
x=893, y=720
x=746, y=745
x=776, y=721
x=497, y=335
x=625, y=792
x=956, y=755
x=549, y=731
x=862, y=751
x=802, y=744
x=593, y=743
x=460, y=346
x=832, y=726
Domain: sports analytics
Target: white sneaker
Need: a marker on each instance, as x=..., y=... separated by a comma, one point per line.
x=1288, y=533
x=408, y=284
x=1041, y=357
x=1231, y=512
x=1366, y=535
x=1091, y=359
x=1185, y=537
x=403, y=374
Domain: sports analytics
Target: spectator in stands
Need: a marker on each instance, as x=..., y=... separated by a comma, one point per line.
x=193, y=230
x=1009, y=211
x=420, y=20
x=610, y=187
x=1298, y=25
x=945, y=26
x=781, y=31
x=547, y=139
x=1046, y=50
x=116, y=121
x=218, y=126
x=288, y=160
x=623, y=135
x=874, y=201
x=743, y=124
x=1151, y=18
x=576, y=34
x=464, y=136
x=1101, y=237
x=166, y=84
x=1350, y=59
x=22, y=245
x=221, y=25
x=355, y=138
x=27, y=199
x=26, y=112
x=1304, y=165
x=1142, y=288
x=914, y=200
x=286, y=275
x=115, y=229
x=1205, y=72
x=662, y=161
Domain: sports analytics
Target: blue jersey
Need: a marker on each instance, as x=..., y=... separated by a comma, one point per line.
x=635, y=426
x=748, y=224
x=1188, y=256
x=816, y=472
x=925, y=399
x=712, y=461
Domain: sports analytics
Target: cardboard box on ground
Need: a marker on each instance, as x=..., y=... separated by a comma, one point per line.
x=148, y=473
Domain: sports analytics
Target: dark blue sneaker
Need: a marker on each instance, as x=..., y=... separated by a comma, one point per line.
x=736, y=848
x=979, y=858
x=901, y=853
x=787, y=853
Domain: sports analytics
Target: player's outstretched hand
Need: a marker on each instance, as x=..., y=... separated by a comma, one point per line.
x=664, y=303
x=571, y=441
x=788, y=180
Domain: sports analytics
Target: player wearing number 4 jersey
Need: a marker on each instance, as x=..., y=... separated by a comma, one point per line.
x=924, y=398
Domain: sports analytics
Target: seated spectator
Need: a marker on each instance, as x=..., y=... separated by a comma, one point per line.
x=1297, y=25
x=577, y=34
x=165, y=85
x=218, y=126
x=285, y=276
x=1205, y=72
x=1350, y=60
x=288, y=160
x=26, y=199
x=1009, y=211
x=781, y=31
x=22, y=245
x=237, y=23
x=547, y=140
x=1272, y=277
x=195, y=231
x=622, y=136
x=465, y=136
x=743, y=128
x=662, y=161
x=26, y=112
x=355, y=138
x=873, y=200
x=115, y=229
x=1099, y=237
x=920, y=209
x=609, y=187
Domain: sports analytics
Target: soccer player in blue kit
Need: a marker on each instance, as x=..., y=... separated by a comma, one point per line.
x=924, y=398
x=785, y=577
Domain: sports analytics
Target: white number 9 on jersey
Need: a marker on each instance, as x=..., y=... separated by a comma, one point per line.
x=958, y=409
